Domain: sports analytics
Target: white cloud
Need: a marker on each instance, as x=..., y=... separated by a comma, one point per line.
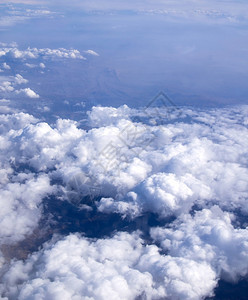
x=28, y=92
x=4, y=109
x=42, y=66
x=6, y=66
x=8, y=83
x=20, y=211
x=137, y=167
x=34, y=53
x=15, y=123
x=19, y=79
x=6, y=86
x=31, y=66
x=168, y=168
x=116, y=268
x=92, y=52
x=209, y=237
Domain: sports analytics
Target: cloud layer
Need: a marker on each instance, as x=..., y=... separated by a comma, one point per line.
x=173, y=162
x=117, y=268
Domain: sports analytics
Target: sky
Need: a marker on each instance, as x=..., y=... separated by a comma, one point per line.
x=195, y=51
x=123, y=150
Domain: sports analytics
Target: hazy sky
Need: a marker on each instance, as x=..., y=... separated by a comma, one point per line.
x=194, y=50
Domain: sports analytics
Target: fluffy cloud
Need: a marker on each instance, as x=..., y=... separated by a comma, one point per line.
x=117, y=268
x=21, y=192
x=167, y=168
x=6, y=66
x=19, y=202
x=8, y=83
x=28, y=92
x=208, y=237
x=34, y=53
x=192, y=166
x=92, y=52
x=8, y=86
x=12, y=125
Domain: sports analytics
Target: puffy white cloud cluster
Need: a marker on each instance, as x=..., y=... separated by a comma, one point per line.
x=33, y=58
x=139, y=161
x=188, y=163
x=34, y=53
x=116, y=268
x=21, y=192
x=6, y=66
x=8, y=83
x=15, y=123
x=165, y=169
x=8, y=86
x=208, y=237
x=28, y=92
x=20, y=201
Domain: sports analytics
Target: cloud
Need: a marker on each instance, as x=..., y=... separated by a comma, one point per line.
x=14, y=14
x=4, y=109
x=16, y=122
x=42, y=66
x=8, y=21
x=6, y=86
x=116, y=268
x=28, y=92
x=91, y=52
x=8, y=83
x=34, y=53
x=191, y=165
x=6, y=66
x=19, y=79
x=21, y=192
x=20, y=211
x=208, y=237
x=193, y=11
x=30, y=65
x=167, y=168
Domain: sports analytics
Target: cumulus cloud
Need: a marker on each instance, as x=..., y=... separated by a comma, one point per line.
x=5, y=86
x=34, y=53
x=6, y=66
x=15, y=123
x=117, y=268
x=20, y=193
x=168, y=168
x=31, y=66
x=208, y=237
x=28, y=92
x=20, y=211
x=42, y=66
x=19, y=79
x=192, y=167
x=8, y=83
x=4, y=109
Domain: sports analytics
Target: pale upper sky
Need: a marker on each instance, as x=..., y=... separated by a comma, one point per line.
x=194, y=50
